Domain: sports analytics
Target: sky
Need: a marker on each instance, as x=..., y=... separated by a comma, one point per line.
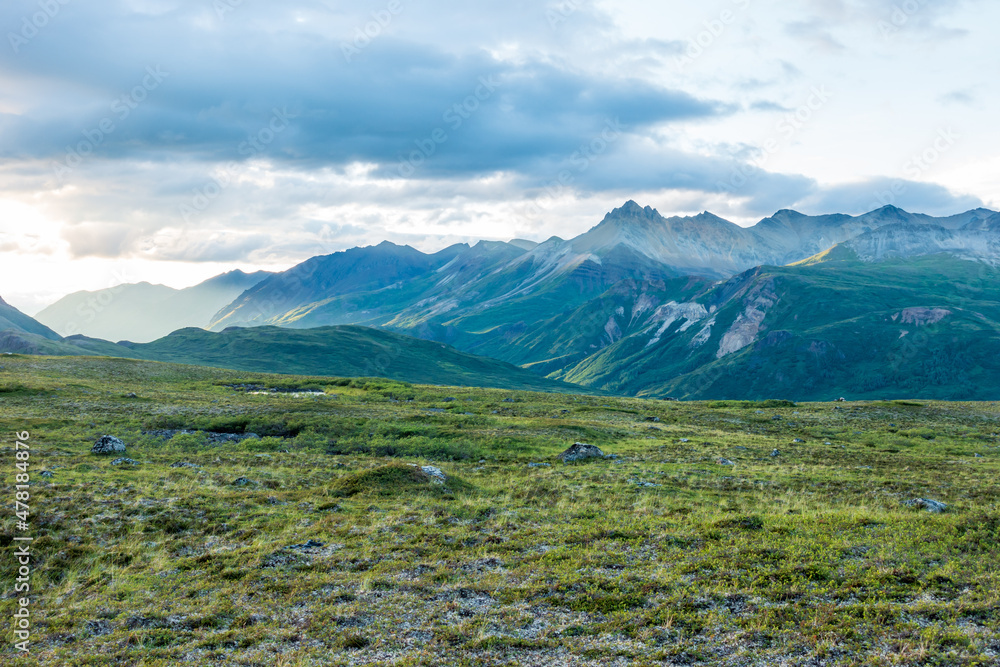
x=171, y=140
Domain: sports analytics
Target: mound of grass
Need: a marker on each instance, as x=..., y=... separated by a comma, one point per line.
x=746, y=405
x=386, y=480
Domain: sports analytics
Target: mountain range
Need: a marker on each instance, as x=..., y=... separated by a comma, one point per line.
x=143, y=312
x=889, y=303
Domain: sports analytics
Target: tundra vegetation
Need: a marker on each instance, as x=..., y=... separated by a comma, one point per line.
x=714, y=533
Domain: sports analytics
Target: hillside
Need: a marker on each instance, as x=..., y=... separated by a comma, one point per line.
x=13, y=320
x=926, y=327
x=346, y=351
x=143, y=312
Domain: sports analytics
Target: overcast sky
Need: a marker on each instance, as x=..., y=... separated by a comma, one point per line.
x=171, y=140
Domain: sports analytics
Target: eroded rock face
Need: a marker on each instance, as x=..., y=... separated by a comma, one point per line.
x=108, y=444
x=580, y=451
x=748, y=324
x=922, y=316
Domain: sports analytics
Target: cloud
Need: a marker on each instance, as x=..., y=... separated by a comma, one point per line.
x=864, y=196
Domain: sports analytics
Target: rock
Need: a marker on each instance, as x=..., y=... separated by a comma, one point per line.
x=979, y=456
x=99, y=627
x=436, y=474
x=775, y=454
x=685, y=440
x=108, y=444
x=311, y=544
x=539, y=465
x=652, y=419
x=213, y=437
x=243, y=481
x=798, y=440
x=612, y=457
x=124, y=462
x=580, y=451
x=183, y=464
x=841, y=400
x=46, y=473
x=827, y=443
x=934, y=506
x=648, y=485
x=131, y=395
x=450, y=399
x=726, y=462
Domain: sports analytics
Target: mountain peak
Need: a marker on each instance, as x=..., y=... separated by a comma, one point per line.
x=633, y=210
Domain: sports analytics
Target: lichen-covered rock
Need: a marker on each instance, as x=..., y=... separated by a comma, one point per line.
x=580, y=451
x=436, y=474
x=935, y=506
x=108, y=444
x=124, y=462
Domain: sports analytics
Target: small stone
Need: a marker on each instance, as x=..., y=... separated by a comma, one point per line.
x=183, y=464
x=934, y=506
x=311, y=544
x=108, y=444
x=243, y=481
x=798, y=440
x=726, y=462
x=46, y=473
x=979, y=456
x=124, y=461
x=131, y=395
x=99, y=627
x=685, y=440
x=539, y=465
x=775, y=454
x=580, y=451
x=827, y=443
x=652, y=419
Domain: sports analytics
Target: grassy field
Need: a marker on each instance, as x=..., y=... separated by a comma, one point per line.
x=317, y=543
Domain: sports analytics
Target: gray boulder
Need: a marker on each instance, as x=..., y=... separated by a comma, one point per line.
x=436, y=474
x=108, y=444
x=580, y=451
x=935, y=506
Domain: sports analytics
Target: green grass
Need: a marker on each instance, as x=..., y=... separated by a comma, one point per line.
x=661, y=556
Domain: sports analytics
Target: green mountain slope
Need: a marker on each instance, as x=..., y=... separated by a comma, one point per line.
x=13, y=320
x=344, y=351
x=920, y=327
